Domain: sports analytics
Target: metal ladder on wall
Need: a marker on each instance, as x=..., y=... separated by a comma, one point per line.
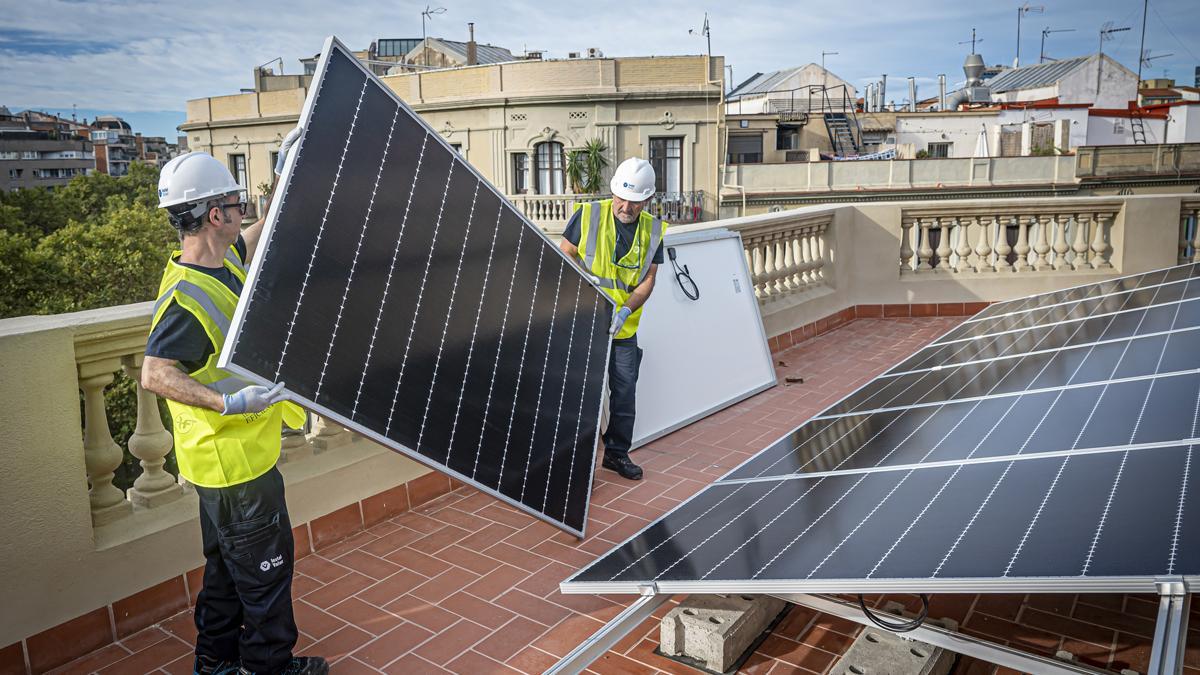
x=1139, y=129
x=841, y=124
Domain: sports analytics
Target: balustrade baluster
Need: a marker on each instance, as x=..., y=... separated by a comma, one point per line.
x=924, y=250
x=1195, y=235
x=1081, y=240
x=101, y=455
x=820, y=246
x=943, y=249
x=983, y=249
x=906, y=250
x=964, y=246
x=791, y=281
x=759, y=269
x=1041, y=244
x=1002, y=246
x=150, y=443
x=1061, y=248
x=1022, y=247
x=1100, y=247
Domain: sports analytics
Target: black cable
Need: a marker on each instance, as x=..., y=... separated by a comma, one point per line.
x=681, y=275
x=897, y=626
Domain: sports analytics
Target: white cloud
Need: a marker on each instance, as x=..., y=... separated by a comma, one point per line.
x=155, y=56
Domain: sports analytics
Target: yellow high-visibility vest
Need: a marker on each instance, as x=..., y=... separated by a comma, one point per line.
x=597, y=249
x=214, y=450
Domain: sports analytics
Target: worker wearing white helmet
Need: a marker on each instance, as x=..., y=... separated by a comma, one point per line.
x=227, y=430
x=620, y=243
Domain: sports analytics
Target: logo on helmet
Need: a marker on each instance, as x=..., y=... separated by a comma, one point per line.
x=162, y=192
x=627, y=185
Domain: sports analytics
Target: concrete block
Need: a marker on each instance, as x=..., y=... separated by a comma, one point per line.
x=879, y=652
x=715, y=630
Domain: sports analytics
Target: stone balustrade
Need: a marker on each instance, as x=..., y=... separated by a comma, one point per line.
x=1032, y=238
x=551, y=212
x=787, y=258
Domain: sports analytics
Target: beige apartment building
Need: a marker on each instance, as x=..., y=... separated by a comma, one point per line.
x=516, y=122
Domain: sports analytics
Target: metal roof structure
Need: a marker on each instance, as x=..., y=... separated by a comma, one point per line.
x=485, y=53
x=1038, y=75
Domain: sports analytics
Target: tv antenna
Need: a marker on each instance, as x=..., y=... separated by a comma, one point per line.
x=973, y=40
x=1047, y=31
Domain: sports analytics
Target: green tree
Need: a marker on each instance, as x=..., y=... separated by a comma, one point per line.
x=19, y=274
x=585, y=167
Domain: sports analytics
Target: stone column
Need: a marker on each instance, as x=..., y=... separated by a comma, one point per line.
x=1002, y=247
x=1041, y=244
x=529, y=175
x=150, y=443
x=943, y=249
x=964, y=246
x=1060, y=242
x=924, y=251
x=1081, y=241
x=101, y=454
x=1100, y=246
x=906, y=250
x=1022, y=247
x=983, y=249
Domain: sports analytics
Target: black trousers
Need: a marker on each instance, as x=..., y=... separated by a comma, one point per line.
x=245, y=608
x=623, y=364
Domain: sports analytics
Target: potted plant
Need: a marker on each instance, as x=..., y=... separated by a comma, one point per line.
x=585, y=167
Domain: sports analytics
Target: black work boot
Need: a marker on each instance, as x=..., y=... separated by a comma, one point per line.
x=301, y=665
x=207, y=665
x=623, y=466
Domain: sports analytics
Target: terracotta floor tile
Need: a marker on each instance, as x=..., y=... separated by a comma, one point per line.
x=547, y=579
x=468, y=559
x=490, y=534
x=517, y=557
x=511, y=638
x=103, y=657
x=181, y=666
x=338, y=645
x=367, y=617
x=418, y=521
x=155, y=656
x=182, y=626
x=352, y=666
x=530, y=607
x=568, y=634
x=387, y=590
x=418, y=562
x=444, y=585
x=497, y=582
x=506, y=516
x=313, y=621
x=411, y=664
x=466, y=520
x=450, y=643
x=302, y=585
x=368, y=564
x=333, y=593
x=474, y=663
x=532, y=661
x=644, y=652
x=416, y=610
x=320, y=568
x=385, y=544
x=617, y=664
x=392, y=645
x=143, y=639
x=480, y=611
x=432, y=543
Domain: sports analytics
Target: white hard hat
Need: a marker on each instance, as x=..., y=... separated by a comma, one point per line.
x=194, y=177
x=633, y=180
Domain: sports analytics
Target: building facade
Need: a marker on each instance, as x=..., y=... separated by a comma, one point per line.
x=516, y=122
x=34, y=152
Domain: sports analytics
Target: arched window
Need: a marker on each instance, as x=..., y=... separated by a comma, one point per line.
x=548, y=164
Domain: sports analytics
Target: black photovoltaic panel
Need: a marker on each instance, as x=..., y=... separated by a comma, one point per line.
x=1076, y=293
x=399, y=293
x=1065, y=467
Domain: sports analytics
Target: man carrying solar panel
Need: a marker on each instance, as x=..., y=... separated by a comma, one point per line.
x=227, y=432
x=620, y=243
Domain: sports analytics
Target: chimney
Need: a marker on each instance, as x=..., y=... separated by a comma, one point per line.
x=912, y=94
x=883, y=93
x=472, y=48
x=941, y=92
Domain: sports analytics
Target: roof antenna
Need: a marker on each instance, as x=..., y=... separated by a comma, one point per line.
x=973, y=40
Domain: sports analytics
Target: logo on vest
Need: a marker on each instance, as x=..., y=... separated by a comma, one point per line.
x=268, y=564
x=184, y=424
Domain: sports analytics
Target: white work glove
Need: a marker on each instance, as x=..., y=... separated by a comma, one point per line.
x=288, y=142
x=619, y=318
x=252, y=399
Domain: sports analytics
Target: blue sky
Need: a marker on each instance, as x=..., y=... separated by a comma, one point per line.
x=143, y=60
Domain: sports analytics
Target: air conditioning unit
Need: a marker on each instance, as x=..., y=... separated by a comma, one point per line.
x=595, y=53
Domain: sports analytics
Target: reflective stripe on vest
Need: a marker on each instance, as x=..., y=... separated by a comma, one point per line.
x=214, y=450
x=615, y=277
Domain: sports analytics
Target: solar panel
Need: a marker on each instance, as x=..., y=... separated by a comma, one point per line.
x=400, y=294
x=1082, y=485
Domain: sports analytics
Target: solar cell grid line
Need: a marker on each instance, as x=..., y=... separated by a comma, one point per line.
x=1191, y=295
x=1072, y=297
x=376, y=303
x=928, y=533
x=948, y=386
x=1090, y=289
x=781, y=457
x=1047, y=350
